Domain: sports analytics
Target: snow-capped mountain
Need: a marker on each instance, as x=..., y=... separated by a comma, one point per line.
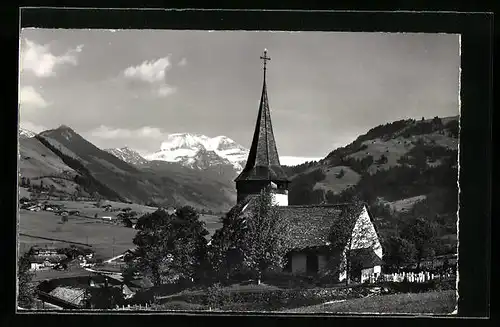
x=25, y=133
x=201, y=151
x=128, y=155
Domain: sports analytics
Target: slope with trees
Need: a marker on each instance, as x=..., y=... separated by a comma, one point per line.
x=426, y=166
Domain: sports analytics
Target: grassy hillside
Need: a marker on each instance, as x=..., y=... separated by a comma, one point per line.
x=41, y=165
x=212, y=189
x=405, y=168
x=98, y=172
x=443, y=302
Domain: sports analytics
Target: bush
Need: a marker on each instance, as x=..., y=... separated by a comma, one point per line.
x=287, y=280
x=215, y=296
x=265, y=300
x=178, y=305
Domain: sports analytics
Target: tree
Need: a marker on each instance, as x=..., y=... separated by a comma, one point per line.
x=26, y=289
x=453, y=128
x=264, y=241
x=169, y=246
x=422, y=233
x=382, y=159
x=127, y=222
x=227, y=243
x=399, y=251
x=52, y=189
x=436, y=121
x=106, y=297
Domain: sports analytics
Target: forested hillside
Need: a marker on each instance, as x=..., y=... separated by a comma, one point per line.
x=404, y=170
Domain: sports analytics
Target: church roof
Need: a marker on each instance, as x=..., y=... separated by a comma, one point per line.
x=309, y=225
x=263, y=162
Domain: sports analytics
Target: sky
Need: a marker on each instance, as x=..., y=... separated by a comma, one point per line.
x=134, y=87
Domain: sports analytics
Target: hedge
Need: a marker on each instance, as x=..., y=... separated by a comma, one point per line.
x=217, y=297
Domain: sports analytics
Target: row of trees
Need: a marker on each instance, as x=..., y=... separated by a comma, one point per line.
x=175, y=246
x=416, y=240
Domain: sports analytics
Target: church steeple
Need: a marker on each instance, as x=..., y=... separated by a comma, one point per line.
x=263, y=164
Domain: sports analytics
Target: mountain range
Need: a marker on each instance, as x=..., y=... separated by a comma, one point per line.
x=199, y=151
x=383, y=164
x=64, y=161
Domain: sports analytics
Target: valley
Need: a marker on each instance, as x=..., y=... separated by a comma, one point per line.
x=401, y=169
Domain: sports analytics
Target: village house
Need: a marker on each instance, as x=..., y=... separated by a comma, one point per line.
x=45, y=258
x=309, y=226
x=106, y=207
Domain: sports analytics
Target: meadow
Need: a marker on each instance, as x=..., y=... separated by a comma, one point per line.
x=438, y=302
x=105, y=238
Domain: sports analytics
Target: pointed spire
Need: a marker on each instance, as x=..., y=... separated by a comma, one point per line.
x=263, y=161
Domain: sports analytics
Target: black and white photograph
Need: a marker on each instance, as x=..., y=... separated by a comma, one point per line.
x=302, y=172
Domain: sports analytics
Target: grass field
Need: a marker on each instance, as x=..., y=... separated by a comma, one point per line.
x=337, y=185
x=442, y=302
x=406, y=204
x=106, y=239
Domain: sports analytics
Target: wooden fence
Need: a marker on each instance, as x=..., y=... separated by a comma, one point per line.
x=421, y=277
x=134, y=307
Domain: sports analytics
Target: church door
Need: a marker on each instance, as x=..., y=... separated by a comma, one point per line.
x=312, y=264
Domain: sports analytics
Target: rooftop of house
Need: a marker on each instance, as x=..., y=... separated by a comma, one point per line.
x=309, y=225
x=52, y=259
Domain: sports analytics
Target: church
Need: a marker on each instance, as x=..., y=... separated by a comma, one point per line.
x=309, y=225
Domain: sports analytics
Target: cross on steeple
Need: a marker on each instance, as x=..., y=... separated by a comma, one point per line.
x=265, y=58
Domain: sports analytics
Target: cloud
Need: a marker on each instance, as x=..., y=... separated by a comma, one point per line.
x=105, y=132
x=30, y=97
x=165, y=90
x=39, y=60
x=183, y=62
x=152, y=71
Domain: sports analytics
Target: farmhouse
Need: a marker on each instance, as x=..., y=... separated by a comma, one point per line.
x=41, y=262
x=309, y=226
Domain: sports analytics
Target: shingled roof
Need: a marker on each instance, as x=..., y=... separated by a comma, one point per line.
x=263, y=162
x=309, y=225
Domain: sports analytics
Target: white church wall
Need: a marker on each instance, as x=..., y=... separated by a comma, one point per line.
x=364, y=234
x=280, y=199
x=342, y=275
x=298, y=263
